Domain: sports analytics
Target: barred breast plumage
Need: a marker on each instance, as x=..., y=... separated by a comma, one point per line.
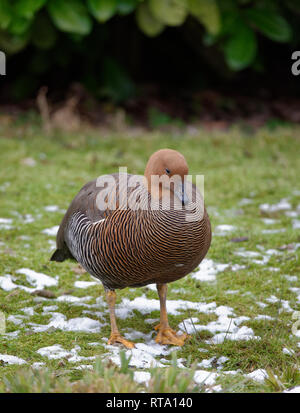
x=139, y=234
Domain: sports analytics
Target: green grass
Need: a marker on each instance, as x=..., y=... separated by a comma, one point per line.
x=237, y=164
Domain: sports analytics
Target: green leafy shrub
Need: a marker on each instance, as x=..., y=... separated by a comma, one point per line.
x=233, y=25
x=69, y=36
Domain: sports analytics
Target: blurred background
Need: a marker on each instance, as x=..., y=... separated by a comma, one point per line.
x=161, y=62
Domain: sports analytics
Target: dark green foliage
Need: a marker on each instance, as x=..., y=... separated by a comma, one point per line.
x=228, y=30
x=239, y=20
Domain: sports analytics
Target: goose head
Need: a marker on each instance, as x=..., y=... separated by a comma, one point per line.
x=165, y=173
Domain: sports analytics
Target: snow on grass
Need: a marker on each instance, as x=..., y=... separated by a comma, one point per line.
x=38, y=279
x=296, y=223
x=142, y=356
x=208, y=270
x=11, y=359
x=51, y=232
x=203, y=377
x=58, y=352
x=145, y=306
x=51, y=208
x=60, y=322
x=293, y=390
x=269, y=221
x=225, y=327
x=84, y=284
x=6, y=283
x=67, y=298
x=142, y=377
x=282, y=205
x=6, y=223
x=224, y=229
x=258, y=375
x=273, y=231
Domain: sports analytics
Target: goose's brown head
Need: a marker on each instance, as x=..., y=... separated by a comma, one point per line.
x=170, y=167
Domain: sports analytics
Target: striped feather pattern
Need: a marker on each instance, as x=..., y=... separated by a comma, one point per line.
x=126, y=247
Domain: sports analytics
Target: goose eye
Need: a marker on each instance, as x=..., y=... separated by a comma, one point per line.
x=167, y=170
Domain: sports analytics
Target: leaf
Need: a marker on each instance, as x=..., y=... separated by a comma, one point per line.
x=240, y=49
x=126, y=6
x=27, y=8
x=270, y=23
x=102, y=10
x=208, y=13
x=19, y=25
x=170, y=12
x=229, y=19
x=43, y=33
x=11, y=43
x=147, y=23
x=5, y=14
x=70, y=16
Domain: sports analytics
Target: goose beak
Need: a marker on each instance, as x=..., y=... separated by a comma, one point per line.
x=181, y=194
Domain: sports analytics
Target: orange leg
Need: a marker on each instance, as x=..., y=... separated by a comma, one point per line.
x=165, y=334
x=115, y=336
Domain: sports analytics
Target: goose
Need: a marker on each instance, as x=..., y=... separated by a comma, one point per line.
x=131, y=230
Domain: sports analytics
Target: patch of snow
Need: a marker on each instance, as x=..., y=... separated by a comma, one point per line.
x=208, y=269
x=72, y=299
x=244, y=333
x=291, y=277
x=203, y=377
x=142, y=377
x=296, y=223
x=37, y=365
x=51, y=208
x=273, y=231
x=84, y=284
x=258, y=375
x=16, y=319
x=59, y=321
x=84, y=367
x=142, y=356
x=146, y=306
x=289, y=352
x=213, y=361
x=11, y=359
x=293, y=390
x=272, y=299
x=292, y=214
x=5, y=223
x=57, y=352
x=247, y=254
x=269, y=221
x=37, y=279
x=28, y=311
x=282, y=205
x=49, y=308
x=245, y=201
x=264, y=317
x=152, y=287
x=6, y=283
x=51, y=231
x=224, y=229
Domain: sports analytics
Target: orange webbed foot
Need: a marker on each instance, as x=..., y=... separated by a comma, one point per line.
x=117, y=338
x=166, y=335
